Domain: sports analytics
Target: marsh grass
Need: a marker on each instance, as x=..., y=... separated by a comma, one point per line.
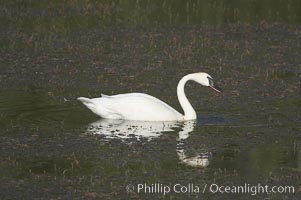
x=38, y=23
x=55, y=51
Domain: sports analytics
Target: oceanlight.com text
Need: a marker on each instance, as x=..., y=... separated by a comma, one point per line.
x=165, y=189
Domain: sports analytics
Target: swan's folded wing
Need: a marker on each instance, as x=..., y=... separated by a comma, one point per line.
x=138, y=106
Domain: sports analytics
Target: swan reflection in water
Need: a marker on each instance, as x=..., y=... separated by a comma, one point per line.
x=140, y=130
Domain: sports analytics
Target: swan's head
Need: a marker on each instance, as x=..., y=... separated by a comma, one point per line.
x=206, y=80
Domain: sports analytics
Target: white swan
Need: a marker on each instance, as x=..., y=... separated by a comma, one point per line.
x=143, y=107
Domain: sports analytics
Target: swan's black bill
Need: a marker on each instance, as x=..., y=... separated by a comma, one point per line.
x=214, y=86
x=216, y=89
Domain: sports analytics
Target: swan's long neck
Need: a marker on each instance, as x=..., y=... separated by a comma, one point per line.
x=189, y=112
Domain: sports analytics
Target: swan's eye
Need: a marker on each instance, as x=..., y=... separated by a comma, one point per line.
x=210, y=81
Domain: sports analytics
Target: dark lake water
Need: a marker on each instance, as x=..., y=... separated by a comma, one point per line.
x=53, y=147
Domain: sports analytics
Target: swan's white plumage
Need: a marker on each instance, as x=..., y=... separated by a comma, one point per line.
x=143, y=107
x=132, y=106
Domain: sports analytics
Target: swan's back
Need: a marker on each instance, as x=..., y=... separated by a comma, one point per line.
x=132, y=106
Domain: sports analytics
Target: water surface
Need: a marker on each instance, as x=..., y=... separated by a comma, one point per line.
x=53, y=147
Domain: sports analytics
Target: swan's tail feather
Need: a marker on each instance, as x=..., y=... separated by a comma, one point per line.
x=104, y=95
x=85, y=100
